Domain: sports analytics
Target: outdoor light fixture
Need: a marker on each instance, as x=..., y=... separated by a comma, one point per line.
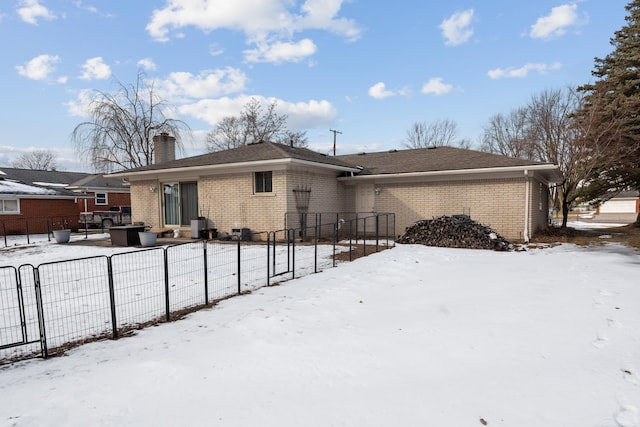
x=377, y=190
x=152, y=188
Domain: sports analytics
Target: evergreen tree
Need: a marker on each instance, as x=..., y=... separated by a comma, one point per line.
x=610, y=117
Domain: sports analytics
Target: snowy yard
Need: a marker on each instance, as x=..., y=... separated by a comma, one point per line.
x=412, y=336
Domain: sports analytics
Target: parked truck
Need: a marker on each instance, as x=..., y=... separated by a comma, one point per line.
x=116, y=215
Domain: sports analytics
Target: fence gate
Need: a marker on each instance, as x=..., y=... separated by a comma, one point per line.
x=280, y=252
x=20, y=322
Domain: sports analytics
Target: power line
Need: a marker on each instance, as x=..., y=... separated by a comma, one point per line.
x=334, y=139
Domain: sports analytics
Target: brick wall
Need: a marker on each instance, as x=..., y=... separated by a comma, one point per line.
x=327, y=193
x=145, y=204
x=40, y=215
x=228, y=201
x=499, y=204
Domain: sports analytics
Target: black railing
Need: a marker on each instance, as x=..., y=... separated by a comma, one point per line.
x=49, y=308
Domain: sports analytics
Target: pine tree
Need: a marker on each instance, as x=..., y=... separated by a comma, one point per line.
x=610, y=116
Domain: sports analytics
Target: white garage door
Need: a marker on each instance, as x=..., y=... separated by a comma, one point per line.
x=618, y=206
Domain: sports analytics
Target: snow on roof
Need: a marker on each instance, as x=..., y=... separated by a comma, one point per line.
x=51, y=184
x=14, y=187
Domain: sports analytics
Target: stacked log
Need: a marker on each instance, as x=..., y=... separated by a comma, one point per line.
x=456, y=231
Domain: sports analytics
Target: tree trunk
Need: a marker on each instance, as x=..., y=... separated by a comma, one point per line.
x=565, y=212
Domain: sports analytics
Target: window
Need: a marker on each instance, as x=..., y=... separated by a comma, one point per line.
x=180, y=203
x=263, y=182
x=9, y=206
x=102, y=199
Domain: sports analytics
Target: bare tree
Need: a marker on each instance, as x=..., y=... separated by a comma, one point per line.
x=546, y=130
x=254, y=124
x=120, y=132
x=294, y=138
x=36, y=160
x=508, y=135
x=438, y=133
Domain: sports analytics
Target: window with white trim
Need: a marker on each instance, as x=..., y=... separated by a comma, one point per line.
x=102, y=199
x=9, y=206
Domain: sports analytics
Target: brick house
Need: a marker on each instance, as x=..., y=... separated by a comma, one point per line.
x=32, y=200
x=254, y=187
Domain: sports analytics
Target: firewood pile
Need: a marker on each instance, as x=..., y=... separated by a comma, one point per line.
x=456, y=231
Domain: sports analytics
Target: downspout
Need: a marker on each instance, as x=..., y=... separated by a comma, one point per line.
x=160, y=193
x=527, y=196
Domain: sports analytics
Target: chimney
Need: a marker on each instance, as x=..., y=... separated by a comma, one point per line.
x=164, y=148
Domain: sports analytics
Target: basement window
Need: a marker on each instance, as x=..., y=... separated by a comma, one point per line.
x=9, y=206
x=263, y=182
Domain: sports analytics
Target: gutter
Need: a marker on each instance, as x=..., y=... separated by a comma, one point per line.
x=545, y=167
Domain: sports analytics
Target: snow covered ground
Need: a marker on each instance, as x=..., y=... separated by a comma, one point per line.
x=411, y=336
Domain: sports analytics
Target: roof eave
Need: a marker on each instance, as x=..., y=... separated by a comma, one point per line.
x=239, y=166
x=549, y=171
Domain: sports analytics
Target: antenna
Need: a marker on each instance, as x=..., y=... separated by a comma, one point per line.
x=334, y=139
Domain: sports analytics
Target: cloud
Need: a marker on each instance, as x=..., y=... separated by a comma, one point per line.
x=379, y=91
x=300, y=115
x=279, y=52
x=31, y=10
x=79, y=107
x=435, y=86
x=268, y=24
x=556, y=23
x=215, y=50
x=95, y=69
x=39, y=68
x=183, y=85
x=523, y=71
x=147, y=64
x=89, y=8
x=457, y=29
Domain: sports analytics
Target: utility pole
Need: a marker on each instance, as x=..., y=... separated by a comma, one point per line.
x=334, y=140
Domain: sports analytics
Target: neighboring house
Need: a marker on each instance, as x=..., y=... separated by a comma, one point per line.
x=30, y=198
x=623, y=203
x=254, y=186
x=103, y=192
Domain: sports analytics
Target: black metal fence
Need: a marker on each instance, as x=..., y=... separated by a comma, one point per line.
x=54, y=306
x=14, y=231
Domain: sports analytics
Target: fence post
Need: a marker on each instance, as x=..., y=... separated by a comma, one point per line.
x=364, y=236
x=315, y=248
x=335, y=240
x=239, y=279
x=206, y=273
x=26, y=228
x=292, y=233
x=377, y=230
x=269, y=258
x=166, y=285
x=40, y=310
x=112, y=299
x=351, y=239
x=4, y=233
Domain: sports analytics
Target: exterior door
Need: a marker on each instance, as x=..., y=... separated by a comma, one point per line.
x=365, y=198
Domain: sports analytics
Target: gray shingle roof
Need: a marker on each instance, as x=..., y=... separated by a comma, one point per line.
x=60, y=178
x=248, y=153
x=430, y=160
